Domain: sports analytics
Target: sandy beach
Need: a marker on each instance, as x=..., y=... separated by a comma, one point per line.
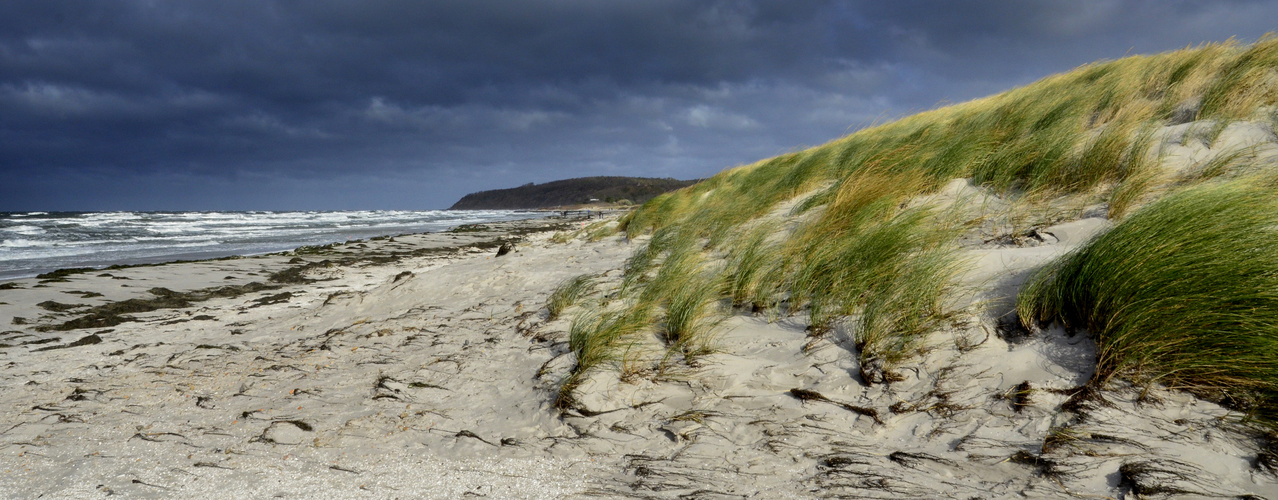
x=424, y=366
x=693, y=250
x=349, y=376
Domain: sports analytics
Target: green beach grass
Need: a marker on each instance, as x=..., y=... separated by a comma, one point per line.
x=569, y=293
x=833, y=232
x=1183, y=293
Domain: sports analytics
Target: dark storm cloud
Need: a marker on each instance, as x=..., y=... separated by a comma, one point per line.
x=326, y=104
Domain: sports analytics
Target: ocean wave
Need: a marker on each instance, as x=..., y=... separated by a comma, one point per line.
x=24, y=243
x=100, y=238
x=24, y=230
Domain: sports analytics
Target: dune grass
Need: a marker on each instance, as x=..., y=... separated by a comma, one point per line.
x=750, y=270
x=681, y=297
x=1183, y=293
x=1127, y=194
x=1068, y=133
x=902, y=309
x=568, y=293
x=598, y=338
x=599, y=230
x=1222, y=164
x=856, y=250
x=692, y=314
x=1241, y=86
x=685, y=290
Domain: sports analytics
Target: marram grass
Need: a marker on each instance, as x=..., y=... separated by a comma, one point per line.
x=855, y=250
x=751, y=269
x=1068, y=132
x=599, y=338
x=568, y=293
x=1184, y=293
x=692, y=315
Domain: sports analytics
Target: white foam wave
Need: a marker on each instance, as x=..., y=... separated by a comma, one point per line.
x=24, y=230
x=71, y=240
x=24, y=243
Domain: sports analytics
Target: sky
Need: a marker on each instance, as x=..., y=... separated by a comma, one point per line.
x=408, y=105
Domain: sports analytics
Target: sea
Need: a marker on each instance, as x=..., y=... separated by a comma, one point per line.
x=36, y=242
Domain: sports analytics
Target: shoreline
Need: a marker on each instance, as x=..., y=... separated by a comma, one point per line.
x=240, y=274
x=115, y=258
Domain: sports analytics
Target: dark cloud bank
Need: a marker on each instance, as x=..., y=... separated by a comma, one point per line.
x=146, y=105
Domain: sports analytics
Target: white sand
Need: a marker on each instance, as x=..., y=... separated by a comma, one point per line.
x=439, y=385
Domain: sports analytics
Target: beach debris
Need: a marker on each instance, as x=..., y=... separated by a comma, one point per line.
x=139, y=481
x=301, y=274
x=387, y=387
x=272, y=299
x=913, y=460
x=115, y=313
x=60, y=275
x=50, y=305
x=286, y=432
x=334, y=295
x=87, y=340
x=681, y=431
x=1267, y=458
x=82, y=394
x=40, y=341
x=1082, y=399
x=1019, y=396
x=1168, y=477
x=806, y=395
x=660, y=474
x=1041, y=465
x=161, y=437
x=875, y=371
x=505, y=248
x=468, y=434
x=1011, y=330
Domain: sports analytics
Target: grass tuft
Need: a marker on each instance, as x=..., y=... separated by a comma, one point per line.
x=750, y=270
x=568, y=293
x=1184, y=292
x=1221, y=165
x=900, y=311
x=692, y=315
x=598, y=338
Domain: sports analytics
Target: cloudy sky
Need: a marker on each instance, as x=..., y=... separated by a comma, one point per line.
x=321, y=104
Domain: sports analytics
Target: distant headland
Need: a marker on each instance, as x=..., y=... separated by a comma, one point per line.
x=571, y=192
